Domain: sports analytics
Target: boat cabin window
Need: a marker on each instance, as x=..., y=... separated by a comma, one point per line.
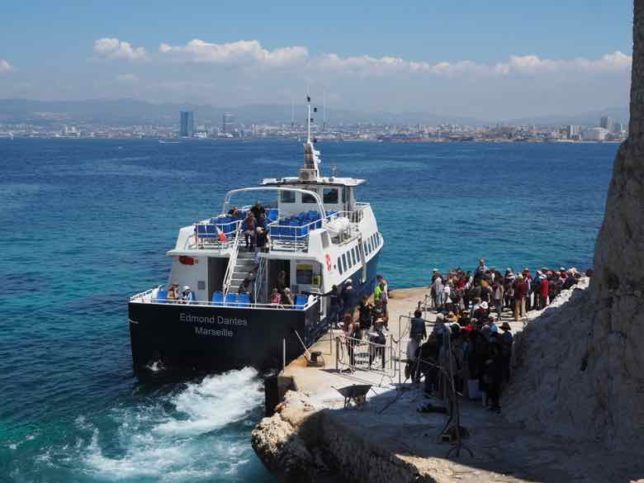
x=307, y=198
x=287, y=196
x=340, y=268
x=344, y=260
x=304, y=274
x=330, y=195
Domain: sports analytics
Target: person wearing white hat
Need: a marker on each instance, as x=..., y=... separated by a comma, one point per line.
x=187, y=295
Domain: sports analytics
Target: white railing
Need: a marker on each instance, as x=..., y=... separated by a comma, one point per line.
x=285, y=236
x=209, y=235
x=146, y=297
x=259, y=284
x=230, y=269
x=291, y=237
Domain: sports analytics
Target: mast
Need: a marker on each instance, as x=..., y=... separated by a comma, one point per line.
x=311, y=170
x=324, y=110
x=309, y=119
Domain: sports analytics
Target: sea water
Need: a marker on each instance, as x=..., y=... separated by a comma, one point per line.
x=85, y=223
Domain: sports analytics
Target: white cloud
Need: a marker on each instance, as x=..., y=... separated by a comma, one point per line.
x=6, y=67
x=113, y=48
x=532, y=64
x=252, y=53
x=241, y=52
x=527, y=64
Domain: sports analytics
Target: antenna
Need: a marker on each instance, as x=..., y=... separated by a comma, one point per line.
x=310, y=171
x=324, y=110
x=309, y=119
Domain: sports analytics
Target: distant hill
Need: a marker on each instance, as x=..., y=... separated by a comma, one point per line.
x=130, y=111
x=121, y=112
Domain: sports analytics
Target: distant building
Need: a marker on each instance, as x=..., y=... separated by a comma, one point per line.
x=606, y=122
x=226, y=123
x=595, y=134
x=572, y=131
x=618, y=127
x=186, y=124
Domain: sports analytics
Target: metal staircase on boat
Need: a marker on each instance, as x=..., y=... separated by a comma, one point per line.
x=244, y=265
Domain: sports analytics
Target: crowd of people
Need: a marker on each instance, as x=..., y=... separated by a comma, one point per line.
x=518, y=292
x=479, y=348
x=468, y=335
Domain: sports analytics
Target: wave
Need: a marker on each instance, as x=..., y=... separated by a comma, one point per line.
x=191, y=434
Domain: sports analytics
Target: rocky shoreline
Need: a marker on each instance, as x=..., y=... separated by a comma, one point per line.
x=302, y=442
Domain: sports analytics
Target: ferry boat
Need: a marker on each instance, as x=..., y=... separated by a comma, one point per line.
x=319, y=236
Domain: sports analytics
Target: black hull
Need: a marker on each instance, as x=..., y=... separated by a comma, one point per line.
x=188, y=339
x=198, y=339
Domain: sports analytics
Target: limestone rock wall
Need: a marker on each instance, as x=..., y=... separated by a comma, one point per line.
x=586, y=365
x=303, y=443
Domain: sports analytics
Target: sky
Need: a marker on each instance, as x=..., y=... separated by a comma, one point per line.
x=489, y=59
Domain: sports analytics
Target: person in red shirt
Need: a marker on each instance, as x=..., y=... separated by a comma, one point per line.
x=544, y=290
x=520, y=294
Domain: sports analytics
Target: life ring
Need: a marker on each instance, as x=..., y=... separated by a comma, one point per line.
x=329, y=266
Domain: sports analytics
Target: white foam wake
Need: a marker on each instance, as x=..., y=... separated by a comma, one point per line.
x=180, y=437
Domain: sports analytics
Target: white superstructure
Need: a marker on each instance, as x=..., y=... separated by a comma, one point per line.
x=320, y=235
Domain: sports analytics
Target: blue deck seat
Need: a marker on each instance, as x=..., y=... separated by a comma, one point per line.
x=206, y=231
x=300, y=301
x=217, y=298
x=243, y=300
x=231, y=299
x=272, y=214
x=162, y=296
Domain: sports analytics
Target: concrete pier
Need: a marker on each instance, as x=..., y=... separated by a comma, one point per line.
x=312, y=434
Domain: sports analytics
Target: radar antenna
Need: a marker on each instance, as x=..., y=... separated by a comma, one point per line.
x=311, y=170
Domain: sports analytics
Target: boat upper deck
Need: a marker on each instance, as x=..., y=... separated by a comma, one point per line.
x=288, y=232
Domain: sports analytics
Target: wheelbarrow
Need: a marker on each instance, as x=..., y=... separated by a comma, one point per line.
x=356, y=393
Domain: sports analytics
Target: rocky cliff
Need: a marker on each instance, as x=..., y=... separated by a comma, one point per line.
x=581, y=370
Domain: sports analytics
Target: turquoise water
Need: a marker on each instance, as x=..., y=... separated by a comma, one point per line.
x=84, y=223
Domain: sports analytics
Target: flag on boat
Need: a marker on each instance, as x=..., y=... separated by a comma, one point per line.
x=221, y=235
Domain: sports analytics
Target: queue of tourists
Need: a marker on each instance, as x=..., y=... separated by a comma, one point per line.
x=514, y=291
x=468, y=335
x=478, y=350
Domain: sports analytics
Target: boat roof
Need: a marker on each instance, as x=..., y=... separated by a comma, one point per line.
x=322, y=180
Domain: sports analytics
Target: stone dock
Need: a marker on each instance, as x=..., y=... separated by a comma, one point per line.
x=312, y=437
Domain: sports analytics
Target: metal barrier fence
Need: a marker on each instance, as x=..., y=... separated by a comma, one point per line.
x=353, y=353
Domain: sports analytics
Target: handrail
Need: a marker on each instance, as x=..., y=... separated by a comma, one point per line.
x=258, y=284
x=230, y=269
x=315, y=196
x=211, y=239
x=352, y=344
x=145, y=297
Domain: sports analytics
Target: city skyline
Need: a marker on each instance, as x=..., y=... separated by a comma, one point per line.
x=499, y=61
